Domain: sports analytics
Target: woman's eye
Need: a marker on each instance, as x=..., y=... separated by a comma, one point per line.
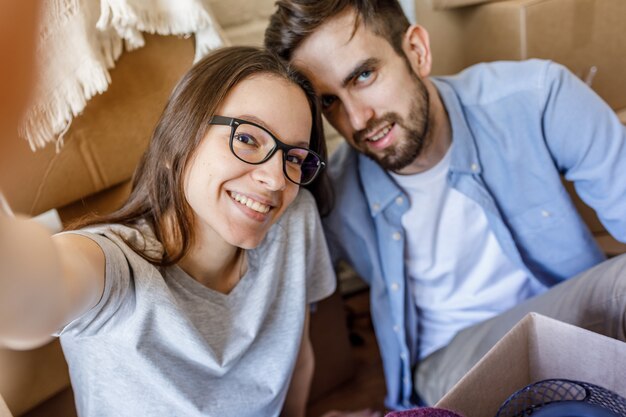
x=295, y=159
x=245, y=139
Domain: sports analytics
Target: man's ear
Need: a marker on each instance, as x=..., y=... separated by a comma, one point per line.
x=416, y=46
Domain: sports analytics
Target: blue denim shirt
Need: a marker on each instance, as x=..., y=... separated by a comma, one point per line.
x=516, y=127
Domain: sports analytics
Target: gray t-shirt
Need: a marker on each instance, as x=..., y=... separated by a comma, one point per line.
x=161, y=344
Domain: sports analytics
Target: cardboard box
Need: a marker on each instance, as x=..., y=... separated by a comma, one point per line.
x=538, y=348
x=31, y=377
x=104, y=143
x=622, y=115
x=579, y=34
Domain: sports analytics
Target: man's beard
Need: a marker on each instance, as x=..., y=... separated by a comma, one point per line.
x=408, y=147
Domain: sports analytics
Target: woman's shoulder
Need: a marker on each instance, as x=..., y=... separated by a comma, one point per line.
x=128, y=238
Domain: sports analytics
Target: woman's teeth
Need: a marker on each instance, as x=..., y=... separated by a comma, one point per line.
x=250, y=203
x=380, y=135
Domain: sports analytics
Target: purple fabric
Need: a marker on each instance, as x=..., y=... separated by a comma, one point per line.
x=424, y=412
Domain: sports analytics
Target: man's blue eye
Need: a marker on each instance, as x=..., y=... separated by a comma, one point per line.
x=364, y=76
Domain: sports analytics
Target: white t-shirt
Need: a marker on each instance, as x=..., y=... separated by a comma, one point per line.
x=458, y=272
x=161, y=344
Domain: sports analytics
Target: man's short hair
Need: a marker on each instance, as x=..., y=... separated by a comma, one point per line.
x=295, y=20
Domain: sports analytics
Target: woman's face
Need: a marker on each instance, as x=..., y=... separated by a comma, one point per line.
x=235, y=201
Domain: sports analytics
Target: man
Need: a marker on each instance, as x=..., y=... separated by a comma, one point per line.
x=449, y=198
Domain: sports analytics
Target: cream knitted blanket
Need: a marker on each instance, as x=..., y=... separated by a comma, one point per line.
x=79, y=42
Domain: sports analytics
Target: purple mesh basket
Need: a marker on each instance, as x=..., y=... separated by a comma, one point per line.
x=546, y=397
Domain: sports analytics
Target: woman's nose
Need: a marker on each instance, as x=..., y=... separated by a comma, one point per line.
x=271, y=173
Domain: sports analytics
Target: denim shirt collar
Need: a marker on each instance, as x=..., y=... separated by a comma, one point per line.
x=464, y=158
x=381, y=189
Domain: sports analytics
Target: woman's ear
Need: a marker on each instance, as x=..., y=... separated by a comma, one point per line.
x=416, y=46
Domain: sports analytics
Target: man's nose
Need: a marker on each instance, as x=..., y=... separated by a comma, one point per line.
x=359, y=112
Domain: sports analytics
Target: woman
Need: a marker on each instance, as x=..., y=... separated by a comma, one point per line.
x=191, y=300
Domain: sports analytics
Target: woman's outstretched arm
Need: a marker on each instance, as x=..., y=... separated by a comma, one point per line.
x=45, y=281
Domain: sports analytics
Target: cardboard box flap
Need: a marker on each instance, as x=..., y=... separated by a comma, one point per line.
x=537, y=348
x=560, y=350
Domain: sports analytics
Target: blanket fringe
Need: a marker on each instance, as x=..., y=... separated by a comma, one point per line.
x=44, y=121
x=119, y=26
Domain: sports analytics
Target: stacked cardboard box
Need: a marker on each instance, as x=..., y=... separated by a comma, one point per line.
x=587, y=36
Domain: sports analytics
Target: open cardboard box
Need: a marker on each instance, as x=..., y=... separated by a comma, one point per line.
x=537, y=348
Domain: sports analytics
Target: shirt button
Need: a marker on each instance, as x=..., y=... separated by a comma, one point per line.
x=376, y=206
x=474, y=167
x=399, y=201
x=406, y=380
x=395, y=286
x=396, y=236
x=403, y=356
x=545, y=213
x=396, y=328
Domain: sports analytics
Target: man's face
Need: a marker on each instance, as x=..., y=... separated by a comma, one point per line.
x=369, y=93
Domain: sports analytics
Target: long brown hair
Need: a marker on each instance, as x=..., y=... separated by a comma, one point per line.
x=295, y=20
x=157, y=195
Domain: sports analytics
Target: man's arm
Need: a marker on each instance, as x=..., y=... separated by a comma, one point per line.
x=588, y=144
x=298, y=393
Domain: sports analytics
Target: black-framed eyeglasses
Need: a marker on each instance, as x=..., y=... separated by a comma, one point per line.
x=254, y=144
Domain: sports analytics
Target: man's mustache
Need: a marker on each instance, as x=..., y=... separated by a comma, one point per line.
x=372, y=124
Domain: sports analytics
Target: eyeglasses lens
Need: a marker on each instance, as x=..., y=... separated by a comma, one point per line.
x=252, y=144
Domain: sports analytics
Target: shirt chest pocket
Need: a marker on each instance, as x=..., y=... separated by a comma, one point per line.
x=552, y=231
